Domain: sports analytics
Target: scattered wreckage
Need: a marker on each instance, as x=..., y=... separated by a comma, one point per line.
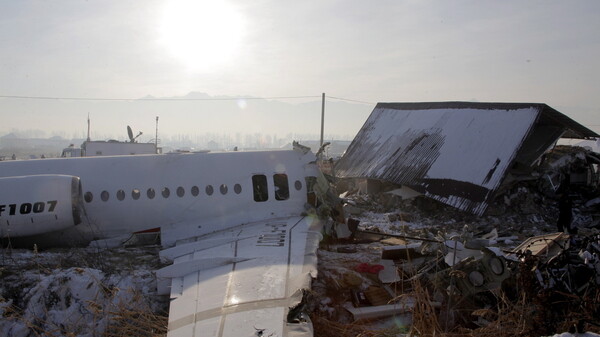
x=495, y=265
x=467, y=279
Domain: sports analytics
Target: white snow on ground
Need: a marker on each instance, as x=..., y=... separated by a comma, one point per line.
x=46, y=294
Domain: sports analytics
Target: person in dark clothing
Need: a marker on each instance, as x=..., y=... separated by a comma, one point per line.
x=565, y=213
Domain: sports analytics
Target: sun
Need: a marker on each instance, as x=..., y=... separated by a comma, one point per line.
x=202, y=34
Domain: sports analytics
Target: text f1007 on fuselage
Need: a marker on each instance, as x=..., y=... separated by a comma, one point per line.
x=26, y=208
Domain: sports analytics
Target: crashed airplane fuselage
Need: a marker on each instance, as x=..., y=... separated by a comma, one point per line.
x=242, y=248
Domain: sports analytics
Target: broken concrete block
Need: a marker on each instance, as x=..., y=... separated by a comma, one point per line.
x=390, y=273
x=342, y=231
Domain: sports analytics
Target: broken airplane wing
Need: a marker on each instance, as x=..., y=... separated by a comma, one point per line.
x=243, y=281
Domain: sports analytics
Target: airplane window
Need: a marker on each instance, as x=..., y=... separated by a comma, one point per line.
x=195, y=191
x=237, y=188
x=282, y=190
x=135, y=194
x=180, y=191
x=150, y=193
x=88, y=197
x=209, y=190
x=104, y=195
x=298, y=185
x=165, y=192
x=120, y=195
x=259, y=186
x=223, y=189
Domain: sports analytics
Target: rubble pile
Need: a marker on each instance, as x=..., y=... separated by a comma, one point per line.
x=560, y=276
x=420, y=267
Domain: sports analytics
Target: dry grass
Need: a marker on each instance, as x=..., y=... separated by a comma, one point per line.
x=508, y=319
x=529, y=315
x=326, y=328
x=128, y=322
x=121, y=322
x=143, y=321
x=425, y=318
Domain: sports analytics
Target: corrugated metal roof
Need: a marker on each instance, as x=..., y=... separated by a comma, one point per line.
x=550, y=115
x=454, y=152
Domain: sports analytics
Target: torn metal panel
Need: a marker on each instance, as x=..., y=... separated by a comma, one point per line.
x=455, y=152
x=548, y=245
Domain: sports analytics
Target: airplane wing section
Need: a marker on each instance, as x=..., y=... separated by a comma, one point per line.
x=248, y=280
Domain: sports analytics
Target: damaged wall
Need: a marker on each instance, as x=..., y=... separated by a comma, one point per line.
x=455, y=152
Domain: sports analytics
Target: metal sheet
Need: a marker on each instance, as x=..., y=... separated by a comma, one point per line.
x=245, y=280
x=454, y=152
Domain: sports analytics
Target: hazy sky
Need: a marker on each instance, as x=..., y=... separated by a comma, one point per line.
x=374, y=51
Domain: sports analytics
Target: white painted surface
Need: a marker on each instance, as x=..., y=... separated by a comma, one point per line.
x=473, y=139
x=184, y=216
x=276, y=261
x=457, y=154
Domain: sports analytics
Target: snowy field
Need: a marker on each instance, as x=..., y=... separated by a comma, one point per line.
x=78, y=292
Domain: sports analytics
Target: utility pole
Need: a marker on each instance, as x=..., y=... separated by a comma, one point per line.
x=88, y=134
x=322, y=118
x=156, y=137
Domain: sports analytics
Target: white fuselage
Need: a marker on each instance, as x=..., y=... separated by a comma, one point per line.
x=202, y=192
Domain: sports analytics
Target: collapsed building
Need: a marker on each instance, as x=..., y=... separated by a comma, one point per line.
x=485, y=258
x=458, y=153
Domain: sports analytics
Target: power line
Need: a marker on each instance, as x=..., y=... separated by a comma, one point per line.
x=152, y=99
x=349, y=100
x=173, y=99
